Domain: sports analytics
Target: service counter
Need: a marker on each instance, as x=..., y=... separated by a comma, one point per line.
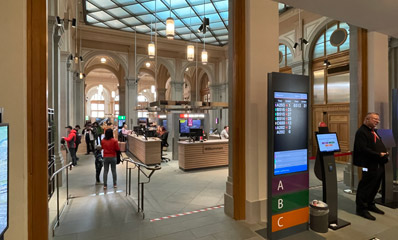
x=194, y=155
x=146, y=151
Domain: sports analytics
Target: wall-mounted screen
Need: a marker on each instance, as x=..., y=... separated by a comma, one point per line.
x=328, y=142
x=4, y=148
x=290, y=139
x=184, y=128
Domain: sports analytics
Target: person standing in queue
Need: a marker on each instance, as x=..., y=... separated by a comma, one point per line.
x=110, y=147
x=71, y=140
x=89, y=136
x=370, y=154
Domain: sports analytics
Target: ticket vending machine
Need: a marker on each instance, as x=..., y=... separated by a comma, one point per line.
x=325, y=170
x=288, y=178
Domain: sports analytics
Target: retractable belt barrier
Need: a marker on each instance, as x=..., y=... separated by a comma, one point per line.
x=336, y=155
x=140, y=184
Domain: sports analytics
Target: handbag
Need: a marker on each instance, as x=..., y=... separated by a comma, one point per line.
x=118, y=157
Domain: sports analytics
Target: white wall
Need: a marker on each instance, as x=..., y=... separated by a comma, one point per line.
x=13, y=82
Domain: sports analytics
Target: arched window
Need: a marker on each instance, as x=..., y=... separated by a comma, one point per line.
x=97, y=106
x=331, y=83
x=142, y=98
x=331, y=78
x=285, y=58
x=336, y=39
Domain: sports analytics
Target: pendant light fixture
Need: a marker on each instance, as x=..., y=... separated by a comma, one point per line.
x=170, y=26
x=151, y=45
x=204, y=52
x=190, y=47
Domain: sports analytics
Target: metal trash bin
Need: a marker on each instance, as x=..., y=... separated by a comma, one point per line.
x=319, y=216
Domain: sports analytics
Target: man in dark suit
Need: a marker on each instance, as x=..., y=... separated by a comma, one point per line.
x=370, y=154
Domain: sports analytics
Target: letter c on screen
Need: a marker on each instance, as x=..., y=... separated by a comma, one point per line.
x=279, y=224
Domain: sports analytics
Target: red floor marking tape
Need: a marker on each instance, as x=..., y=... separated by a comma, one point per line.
x=187, y=213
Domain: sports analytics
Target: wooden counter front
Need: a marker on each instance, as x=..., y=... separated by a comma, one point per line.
x=212, y=153
x=146, y=151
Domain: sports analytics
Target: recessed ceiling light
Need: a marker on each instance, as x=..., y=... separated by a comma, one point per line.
x=103, y=60
x=148, y=64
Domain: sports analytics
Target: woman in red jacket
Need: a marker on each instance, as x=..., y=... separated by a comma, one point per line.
x=110, y=147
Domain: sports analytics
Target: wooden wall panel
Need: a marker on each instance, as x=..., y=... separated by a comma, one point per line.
x=37, y=119
x=237, y=15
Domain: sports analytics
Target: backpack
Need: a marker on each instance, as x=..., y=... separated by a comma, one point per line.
x=78, y=139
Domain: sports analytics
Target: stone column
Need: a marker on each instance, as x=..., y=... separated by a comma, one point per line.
x=161, y=94
x=177, y=91
x=378, y=84
x=51, y=45
x=59, y=129
x=79, y=104
x=131, y=101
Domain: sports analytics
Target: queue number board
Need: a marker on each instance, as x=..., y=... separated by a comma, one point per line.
x=290, y=181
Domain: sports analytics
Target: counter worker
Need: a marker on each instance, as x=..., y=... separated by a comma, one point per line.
x=224, y=133
x=71, y=140
x=125, y=132
x=371, y=154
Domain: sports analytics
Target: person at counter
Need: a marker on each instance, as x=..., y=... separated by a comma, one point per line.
x=224, y=133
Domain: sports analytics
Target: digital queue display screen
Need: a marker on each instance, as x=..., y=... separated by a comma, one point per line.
x=291, y=133
x=185, y=128
x=3, y=178
x=328, y=142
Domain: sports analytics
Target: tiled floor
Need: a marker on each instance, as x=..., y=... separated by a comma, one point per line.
x=95, y=214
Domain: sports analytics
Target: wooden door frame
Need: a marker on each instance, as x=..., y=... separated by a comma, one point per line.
x=37, y=123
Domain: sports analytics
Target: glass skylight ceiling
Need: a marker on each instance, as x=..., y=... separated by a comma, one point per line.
x=127, y=15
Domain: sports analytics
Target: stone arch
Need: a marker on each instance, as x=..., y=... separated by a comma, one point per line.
x=162, y=76
x=91, y=54
x=160, y=61
x=206, y=68
x=107, y=67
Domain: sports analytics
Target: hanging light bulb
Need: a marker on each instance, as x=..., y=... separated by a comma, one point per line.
x=190, y=52
x=170, y=28
x=81, y=75
x=204, y=57
x=151, y=50
x=76, y=59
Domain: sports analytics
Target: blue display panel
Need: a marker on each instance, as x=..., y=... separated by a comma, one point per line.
x=3, y=178
x=184, y=128
x=328, y=142
x=290, y=138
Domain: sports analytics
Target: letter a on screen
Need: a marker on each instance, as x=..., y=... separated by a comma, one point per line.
x=280, y=185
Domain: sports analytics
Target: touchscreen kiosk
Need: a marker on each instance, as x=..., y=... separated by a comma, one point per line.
x=328, y=142
x=3, y=178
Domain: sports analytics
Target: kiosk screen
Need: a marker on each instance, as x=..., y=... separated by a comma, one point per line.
x=3, y=178
x=290, y=138
x=328, y=142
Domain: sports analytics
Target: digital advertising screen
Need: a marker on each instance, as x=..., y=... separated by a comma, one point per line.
x=291, y=133
x=3, y=178
x=328, y=142
x=184, y=128
x=164, y=123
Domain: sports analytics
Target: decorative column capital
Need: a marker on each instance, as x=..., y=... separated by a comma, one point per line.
x=132, y=81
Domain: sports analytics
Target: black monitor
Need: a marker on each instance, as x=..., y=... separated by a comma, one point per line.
x=136, y=129
x=150, y=133
x=4, y=162
x=196, y=133
x=327, y=142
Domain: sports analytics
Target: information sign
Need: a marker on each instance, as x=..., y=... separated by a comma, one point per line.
x=288, y=179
